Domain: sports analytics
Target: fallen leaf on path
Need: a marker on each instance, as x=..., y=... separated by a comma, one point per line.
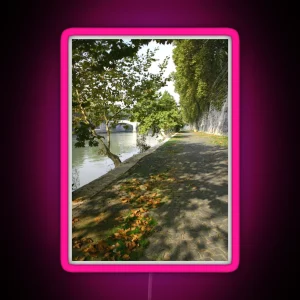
x=86, y=240
x=90, y=249
x=143, y=187
x=130, y=245
x=80, y=258
x=102, y=246
x=93, y=255
x=171, y=179
x=136, y=237
x=77, y=246
x=78, y=199
x=132, y=195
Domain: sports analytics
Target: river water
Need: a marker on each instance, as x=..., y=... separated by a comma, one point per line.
x=88, y=164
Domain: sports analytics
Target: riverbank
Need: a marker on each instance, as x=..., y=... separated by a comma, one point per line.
x=88, y=164
x=91, y=189
x=169, y=204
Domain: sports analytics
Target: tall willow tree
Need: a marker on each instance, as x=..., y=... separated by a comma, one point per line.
x=201, y=77
x=108, y=79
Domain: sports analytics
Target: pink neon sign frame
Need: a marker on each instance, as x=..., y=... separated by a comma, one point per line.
x=144, y=32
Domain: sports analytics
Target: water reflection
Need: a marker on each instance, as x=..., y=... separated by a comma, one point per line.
x=88, y=164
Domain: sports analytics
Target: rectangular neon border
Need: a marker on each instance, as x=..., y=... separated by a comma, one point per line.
x=235, y=124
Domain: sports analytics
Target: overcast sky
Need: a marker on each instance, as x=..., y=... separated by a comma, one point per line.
x=162, y=52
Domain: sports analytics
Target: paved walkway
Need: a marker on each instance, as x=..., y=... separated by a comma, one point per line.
x=192, y=224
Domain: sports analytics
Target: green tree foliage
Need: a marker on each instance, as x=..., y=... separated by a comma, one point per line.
x=108, y=79
x=201, y=77
x=160, y=115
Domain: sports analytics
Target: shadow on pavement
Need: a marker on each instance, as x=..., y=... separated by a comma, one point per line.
x=193, y=225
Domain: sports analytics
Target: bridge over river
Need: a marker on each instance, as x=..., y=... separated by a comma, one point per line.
x=119, y=127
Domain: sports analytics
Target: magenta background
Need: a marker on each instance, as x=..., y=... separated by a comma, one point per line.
x=235, y=167
x=32, y=67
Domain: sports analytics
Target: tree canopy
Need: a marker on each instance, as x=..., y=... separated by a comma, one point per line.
x=108, y=80
x=158, y=115
x=201, y=77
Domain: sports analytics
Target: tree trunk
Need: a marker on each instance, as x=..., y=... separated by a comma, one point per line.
x=115, y=158
x=108, y=134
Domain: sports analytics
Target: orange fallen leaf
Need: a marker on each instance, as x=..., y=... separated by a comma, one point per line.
x=77, y=246
x=78, y=199
x=93, y=255
x=102, y=246
x=79, y=258
x=75, y=220
x=131, y=245
x=90, y=249
x=126, y=256
x=143, y=187
x=86, y=240
x=135, y=237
